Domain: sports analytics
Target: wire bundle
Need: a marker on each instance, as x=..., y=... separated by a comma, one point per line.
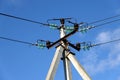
x=83, y=28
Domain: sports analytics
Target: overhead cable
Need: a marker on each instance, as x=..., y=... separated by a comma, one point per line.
x=19, y=41
x=107, y=23
x=106, y=42
x=87, y=46
x=7, y=15
x=87, y=27
x=105, y=19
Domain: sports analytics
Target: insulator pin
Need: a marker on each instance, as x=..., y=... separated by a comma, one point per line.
x=53, y=26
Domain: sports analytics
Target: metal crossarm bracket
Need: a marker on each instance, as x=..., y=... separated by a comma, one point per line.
x=61, y=39
x=77, y=46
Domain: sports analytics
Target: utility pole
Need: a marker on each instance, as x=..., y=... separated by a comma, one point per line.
x=66, y=62
x=63, y=52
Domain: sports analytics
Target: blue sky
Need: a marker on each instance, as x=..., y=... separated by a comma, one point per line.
x=25, y=62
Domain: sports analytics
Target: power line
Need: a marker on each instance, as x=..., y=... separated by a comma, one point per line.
x=107, y=23
x=7, y=15
x=105, y=19
x=98, y=44
x=87, y=27
x=19, y=41
x=86, y=46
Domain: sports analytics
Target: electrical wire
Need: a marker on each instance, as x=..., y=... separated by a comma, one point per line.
x=84, y=29
x=90, y=27
x=7, y=15
x=105, y=19
x=18, y=41
x=107, y=22
x=105, y=42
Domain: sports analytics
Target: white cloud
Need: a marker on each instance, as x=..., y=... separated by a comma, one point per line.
x=109, y=35
x=103, y=37
x=114, y=56
x=94, y=64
